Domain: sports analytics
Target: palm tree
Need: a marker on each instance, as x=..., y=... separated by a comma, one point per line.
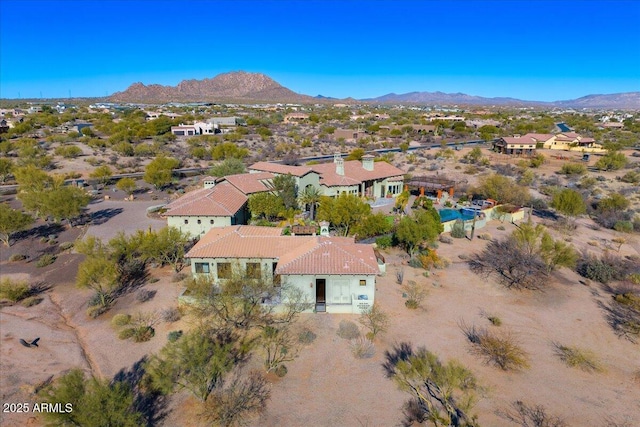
x=310, y=196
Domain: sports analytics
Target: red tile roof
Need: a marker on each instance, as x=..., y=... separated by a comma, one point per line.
x=354, y=173
x=280, y=169
x=249, y=183
x=295, y=254
x=222, y=200
x=522, y=140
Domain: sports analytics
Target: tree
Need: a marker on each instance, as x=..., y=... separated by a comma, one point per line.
x=6, y=166
x=197, y=362
x=569, y=202
x=128, y=185
x=343, y=211
x=373, y=225
x=91, y=403
x=12, y=220
x=99, y=274
x=310, y=197
x=503, y=189
x=613, y=160
x=166, y=246
x=375, y=320
x=442, y=394
x=160, y=170
x=102, y=173
x=285, y=187
x=355, y=154
x=423, y=226
x=279, y=346
x=267, y=205
x=230, y=166
x=64, y=202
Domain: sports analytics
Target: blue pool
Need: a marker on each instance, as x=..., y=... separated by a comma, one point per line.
x=453, y=214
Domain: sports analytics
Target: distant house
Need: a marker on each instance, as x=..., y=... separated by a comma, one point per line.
x=515, y=145
x=184, y=130
x=4, y=126
x=227, y=121
x=349, y=135
x=336, y=273
x=572, y=141
x=296, y=117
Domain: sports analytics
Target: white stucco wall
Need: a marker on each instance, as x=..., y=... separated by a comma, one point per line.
x=341, y=291
x=195, y=229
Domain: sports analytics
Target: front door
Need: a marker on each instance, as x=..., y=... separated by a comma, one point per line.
x=321, y=300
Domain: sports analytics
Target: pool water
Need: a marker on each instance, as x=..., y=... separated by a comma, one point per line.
x=454, y=214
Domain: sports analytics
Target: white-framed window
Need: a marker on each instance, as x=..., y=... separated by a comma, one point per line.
x=202, y=267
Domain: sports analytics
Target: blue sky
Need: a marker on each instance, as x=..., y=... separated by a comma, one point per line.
x=535, y=50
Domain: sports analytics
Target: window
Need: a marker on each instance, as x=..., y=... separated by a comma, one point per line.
x=253, y=270
x=224, y=270
x=211, y=221
x=363, y=282
x=199, y=222
x=186, y=221
x=202, y=267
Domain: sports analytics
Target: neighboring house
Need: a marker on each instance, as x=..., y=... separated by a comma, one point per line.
x=296, y=117
x=4, y=126
x=364, y=178
x=226, y=121
x=184, y=130
x=515, y=145
x=349, y=135
x=572, y=141
x=336, y=273
x=222, y=202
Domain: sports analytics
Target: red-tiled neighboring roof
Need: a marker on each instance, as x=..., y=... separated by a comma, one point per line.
x=354, y=173
x=222, y=200
x=280, y=169
x=523, y=140
x=327, y=256
x=540, y=137
x=249, y=183
x=295, y=254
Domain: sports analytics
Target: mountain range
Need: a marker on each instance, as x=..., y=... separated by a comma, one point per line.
x=240, y=86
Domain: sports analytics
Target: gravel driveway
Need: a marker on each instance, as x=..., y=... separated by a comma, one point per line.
x=113, y=216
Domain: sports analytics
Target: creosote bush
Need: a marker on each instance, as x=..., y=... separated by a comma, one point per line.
x=306, y=336
x=14, y=291
x=500, y=349
x=44, y=260
x=576, y=357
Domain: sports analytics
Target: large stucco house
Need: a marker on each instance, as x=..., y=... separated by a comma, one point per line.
x=336, y=273
x=365, y=178
x=527, y=144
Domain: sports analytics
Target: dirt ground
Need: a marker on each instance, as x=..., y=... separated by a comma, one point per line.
x=326, y=385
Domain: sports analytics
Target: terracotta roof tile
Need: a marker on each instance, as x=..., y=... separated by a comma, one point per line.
x=249, y=183
x=354, y=173
x=280, y=169
x=222, y=200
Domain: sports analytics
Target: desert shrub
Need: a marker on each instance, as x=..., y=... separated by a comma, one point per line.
x=144, y=295
x=495, y=320
x=530, y=416
x=623, y=226
x=281, y=370
x=573, y=169
x=178, y=277
x=432, y=259
x=500, y=349
x=457, y=231
x=399, y=276
x=17, y=257
x=375, y=320
x=31, y=301
x=95, y=311
x=384, y=242
x=415, y=263
x=120, y=320
x=14, y=291
x=631, y=177
x=577, y=358
x=348, y=330
x=44, y=260
x=306, y=336
x=445, y=239
x=126, y=333
x=65, y=246
x=153, y=279
x=174, y=336
x=501, y=228
x=362, y=348
x=604, y=269
x=485, y=236
x=415, y=292
x=143, y=333
x=170, y=315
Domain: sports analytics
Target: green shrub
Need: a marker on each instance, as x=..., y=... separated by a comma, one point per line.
x=143, y=333
x=604, y=269
x=281, y=371
x=573, y=169
x=120, y=320
x=170, y=315
x=31, y=301
x=306, y=336
x=126, y=333
x=578, y=358
x=65, y=246
x=348, y=330
x=17, y=257
x=623, y=226
x=95, y=311
x=14, y=291
x=631, y=177
x=44, y=260
x=457, y=231
x=495, y=320
x=174, y=336
x=497, y=348
x=501, y=228
x=384, y=242
x=415, y=263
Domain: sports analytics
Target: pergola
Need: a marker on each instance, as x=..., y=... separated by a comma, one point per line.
x=432, y=183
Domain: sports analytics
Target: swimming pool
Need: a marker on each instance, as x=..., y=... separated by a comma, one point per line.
x=447, y=215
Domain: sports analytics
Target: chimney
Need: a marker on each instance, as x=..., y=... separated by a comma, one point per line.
x=339, y=166
x=367, y=162
x=324, y=228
